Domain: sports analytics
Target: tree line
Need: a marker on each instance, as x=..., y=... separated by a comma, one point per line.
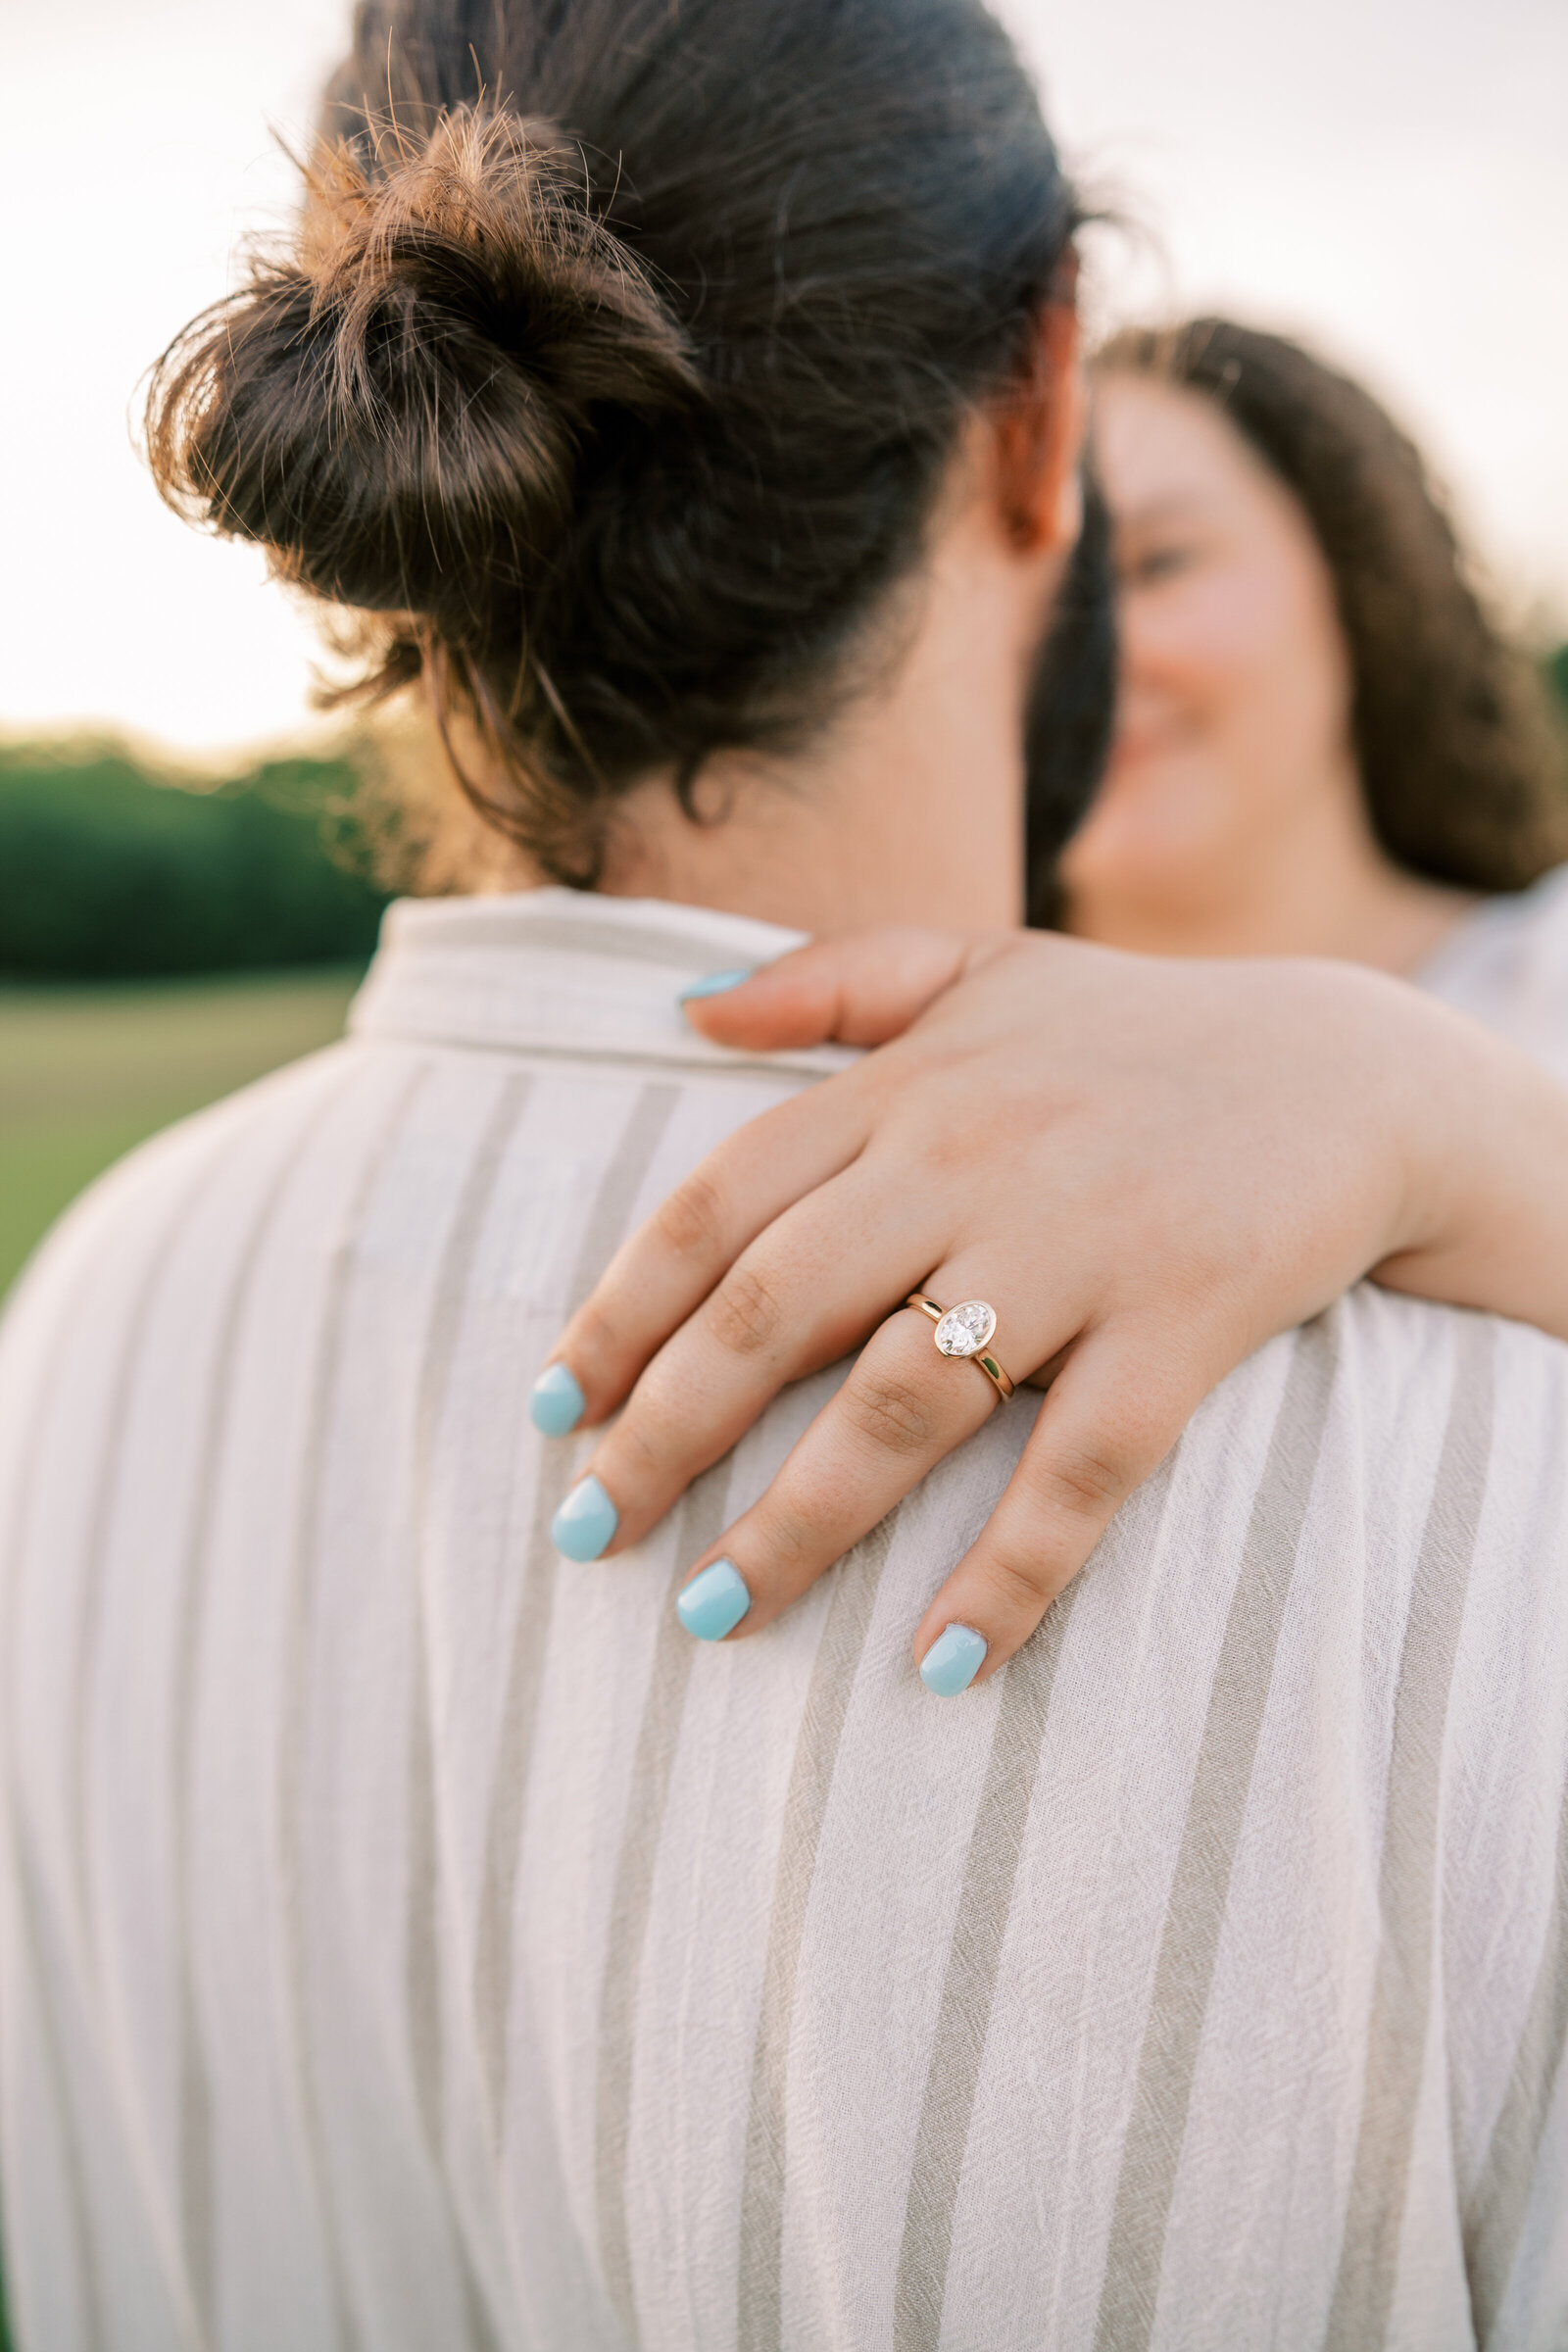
x=110, y=870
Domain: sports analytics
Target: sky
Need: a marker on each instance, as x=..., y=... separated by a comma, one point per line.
x=1389, y=177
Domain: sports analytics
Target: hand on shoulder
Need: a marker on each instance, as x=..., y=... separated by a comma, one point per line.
x=1145, y=1168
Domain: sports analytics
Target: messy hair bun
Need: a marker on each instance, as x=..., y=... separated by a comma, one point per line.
x=398, y=408
x=610, y=408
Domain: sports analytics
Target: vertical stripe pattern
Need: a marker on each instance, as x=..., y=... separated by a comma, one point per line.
x=293, y=1803
x=1496, y=2212
x=1196, y=1903
x=700, y=1520
x=762, y=2246
x=984, y=1906
x=131, y=1366
x=1401, y=1995
x=196, y=2184
x=425, y=1890
x=406, y=1940
x=609, y=1216
x=27, y=1895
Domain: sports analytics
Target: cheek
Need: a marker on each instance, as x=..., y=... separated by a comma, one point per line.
x=1255, y=659
x=1237, y=683
x=1198, y=638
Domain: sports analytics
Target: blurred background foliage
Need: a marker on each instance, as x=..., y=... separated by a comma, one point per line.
x=164, y=940
x=109, y=871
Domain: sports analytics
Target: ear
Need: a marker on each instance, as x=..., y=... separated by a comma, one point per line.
x=1040, y=428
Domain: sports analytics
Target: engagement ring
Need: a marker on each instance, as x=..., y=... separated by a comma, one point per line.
x=965, y=1330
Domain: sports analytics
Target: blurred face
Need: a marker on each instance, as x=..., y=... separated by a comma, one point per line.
x=1233, y=748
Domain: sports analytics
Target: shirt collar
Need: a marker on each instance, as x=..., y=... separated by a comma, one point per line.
x=567, y=972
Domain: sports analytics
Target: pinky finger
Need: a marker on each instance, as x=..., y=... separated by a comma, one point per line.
x=1109, y=1420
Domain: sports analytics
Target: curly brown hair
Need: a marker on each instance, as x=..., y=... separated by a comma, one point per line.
x=1463, y=762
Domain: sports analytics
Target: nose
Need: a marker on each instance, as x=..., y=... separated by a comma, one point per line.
x=1151, y=678
x=1136, y=643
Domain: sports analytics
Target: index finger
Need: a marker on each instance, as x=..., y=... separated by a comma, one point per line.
x=663, y=1273
x=863, y=989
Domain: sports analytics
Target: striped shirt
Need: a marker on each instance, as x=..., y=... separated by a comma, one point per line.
x=412, y=1940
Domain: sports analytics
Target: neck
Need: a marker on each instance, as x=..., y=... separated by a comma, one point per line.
x=1323, y=889
x=909, y=808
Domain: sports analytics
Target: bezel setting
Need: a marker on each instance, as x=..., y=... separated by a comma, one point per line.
x=966, y=1329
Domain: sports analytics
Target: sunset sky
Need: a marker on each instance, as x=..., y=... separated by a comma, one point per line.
x=1389, y=176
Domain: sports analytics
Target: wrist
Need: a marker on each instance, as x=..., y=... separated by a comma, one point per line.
x=1487, y=1218
x=1444, y=1076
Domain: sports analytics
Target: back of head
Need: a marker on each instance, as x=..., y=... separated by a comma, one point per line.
x=616, y=363
x=1461, y=762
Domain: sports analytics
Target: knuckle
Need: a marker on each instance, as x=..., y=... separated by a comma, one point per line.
x=795, y=1539
x=1083, y=1482
x=890, y=1413
x=691, y=1221
x=1025, y=1582
x=595, y=1335
x=641, y=1449
x=947, y=1149
x=746, y=1313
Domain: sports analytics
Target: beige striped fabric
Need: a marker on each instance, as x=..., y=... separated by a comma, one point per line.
x=411, y=1939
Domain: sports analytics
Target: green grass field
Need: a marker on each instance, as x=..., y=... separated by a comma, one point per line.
x=88, y=1071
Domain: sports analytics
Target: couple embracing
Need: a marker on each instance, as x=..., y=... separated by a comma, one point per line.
x=564, y=1787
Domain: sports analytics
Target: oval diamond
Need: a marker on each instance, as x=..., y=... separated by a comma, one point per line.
x=965, y=1329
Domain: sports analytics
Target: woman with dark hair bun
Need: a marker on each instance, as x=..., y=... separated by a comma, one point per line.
x=1324, y=745
x=534, y=403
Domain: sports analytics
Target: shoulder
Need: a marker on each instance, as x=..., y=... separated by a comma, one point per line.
x=1506, y=965
x=1381, y=1500
x=183, y=1192
x=1365, y=1400
x=1389, y=1465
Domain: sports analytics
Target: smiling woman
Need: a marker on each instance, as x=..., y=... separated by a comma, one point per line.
x=1324, y=744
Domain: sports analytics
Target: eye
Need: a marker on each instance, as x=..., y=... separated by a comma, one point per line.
x=1162, y=561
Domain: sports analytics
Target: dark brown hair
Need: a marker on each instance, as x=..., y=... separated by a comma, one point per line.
x=615, y=365
x=1461, y=759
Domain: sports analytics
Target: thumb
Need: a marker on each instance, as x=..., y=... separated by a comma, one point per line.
x=860, y=990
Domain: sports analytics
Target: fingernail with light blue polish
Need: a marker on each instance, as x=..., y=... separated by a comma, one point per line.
x=717, y=984
x=556, y=1405
x=585, y=1521
x=713, y=1603
x=953, y=1660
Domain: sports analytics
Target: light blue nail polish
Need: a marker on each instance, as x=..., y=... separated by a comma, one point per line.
x=717, y=984
x=953, y=1660
x=713, y=1603
x=585, y=1521
x=556, y=1405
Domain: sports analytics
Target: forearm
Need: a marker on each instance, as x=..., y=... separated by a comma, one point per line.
x=1496, y=1218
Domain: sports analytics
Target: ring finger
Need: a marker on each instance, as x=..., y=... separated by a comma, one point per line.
x=904, y=1407
x=802, y=1296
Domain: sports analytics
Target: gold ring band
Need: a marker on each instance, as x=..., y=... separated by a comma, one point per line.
x=965, y=1330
